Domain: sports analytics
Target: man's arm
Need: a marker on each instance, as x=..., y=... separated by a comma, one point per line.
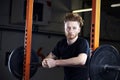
x=45, y=61
x=51, y=55
x=80, y=60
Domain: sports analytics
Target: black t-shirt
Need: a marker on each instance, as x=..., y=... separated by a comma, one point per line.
x=64, y=51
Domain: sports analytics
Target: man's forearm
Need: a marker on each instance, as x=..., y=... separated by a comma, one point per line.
x=70, y=62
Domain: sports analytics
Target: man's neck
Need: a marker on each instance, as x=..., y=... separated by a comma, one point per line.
x=71, y=41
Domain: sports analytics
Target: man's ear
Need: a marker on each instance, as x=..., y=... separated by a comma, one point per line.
x=79, y=29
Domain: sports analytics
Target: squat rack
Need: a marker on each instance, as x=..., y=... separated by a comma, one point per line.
x=94, y=37
x=27, y=40
x=95, y=26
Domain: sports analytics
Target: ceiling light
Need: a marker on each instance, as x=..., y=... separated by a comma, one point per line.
x=115, y=5
x=82, y=10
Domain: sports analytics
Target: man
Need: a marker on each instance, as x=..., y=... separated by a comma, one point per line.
x=71, y=52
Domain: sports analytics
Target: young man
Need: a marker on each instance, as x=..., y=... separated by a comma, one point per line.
x=71, y=52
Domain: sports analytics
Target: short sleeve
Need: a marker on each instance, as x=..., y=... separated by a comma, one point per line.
x=55, y=50
x=84, y=46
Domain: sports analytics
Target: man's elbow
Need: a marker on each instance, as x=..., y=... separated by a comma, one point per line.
x=82, y=59
x=82, y=62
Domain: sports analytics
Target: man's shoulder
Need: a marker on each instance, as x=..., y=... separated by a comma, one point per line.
x=82, y=39
x=62, y=42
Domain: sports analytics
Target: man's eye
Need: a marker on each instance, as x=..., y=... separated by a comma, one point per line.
x=74, y=27
x=69, y=28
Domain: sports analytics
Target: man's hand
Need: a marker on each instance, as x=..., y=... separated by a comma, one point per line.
x=44, y=63
x=51, y=63
x=48, y=63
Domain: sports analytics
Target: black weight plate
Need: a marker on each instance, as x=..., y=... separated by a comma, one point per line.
x=104, y=55
x=15, y=62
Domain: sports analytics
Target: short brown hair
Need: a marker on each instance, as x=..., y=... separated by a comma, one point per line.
x=73, y=17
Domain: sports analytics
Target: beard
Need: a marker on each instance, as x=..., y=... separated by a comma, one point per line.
x=71, y=36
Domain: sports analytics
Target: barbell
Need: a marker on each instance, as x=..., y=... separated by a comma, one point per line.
x=15, y=62
x=103, y=64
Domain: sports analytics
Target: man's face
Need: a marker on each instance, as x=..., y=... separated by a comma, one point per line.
x=72, y=29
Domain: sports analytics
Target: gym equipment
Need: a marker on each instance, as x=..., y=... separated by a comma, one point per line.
x=27, y=39
x=15, y=62
x=104, y=64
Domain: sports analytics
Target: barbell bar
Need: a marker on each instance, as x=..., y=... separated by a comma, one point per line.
x=103, y=64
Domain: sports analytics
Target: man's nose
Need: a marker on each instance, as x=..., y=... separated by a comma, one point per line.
x=71, y=30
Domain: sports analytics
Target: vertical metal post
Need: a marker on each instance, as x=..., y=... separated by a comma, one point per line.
x=27, y=40
x=95, y=27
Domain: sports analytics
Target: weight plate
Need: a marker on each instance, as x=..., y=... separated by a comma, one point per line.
x=15, y=62
x=104, y=55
